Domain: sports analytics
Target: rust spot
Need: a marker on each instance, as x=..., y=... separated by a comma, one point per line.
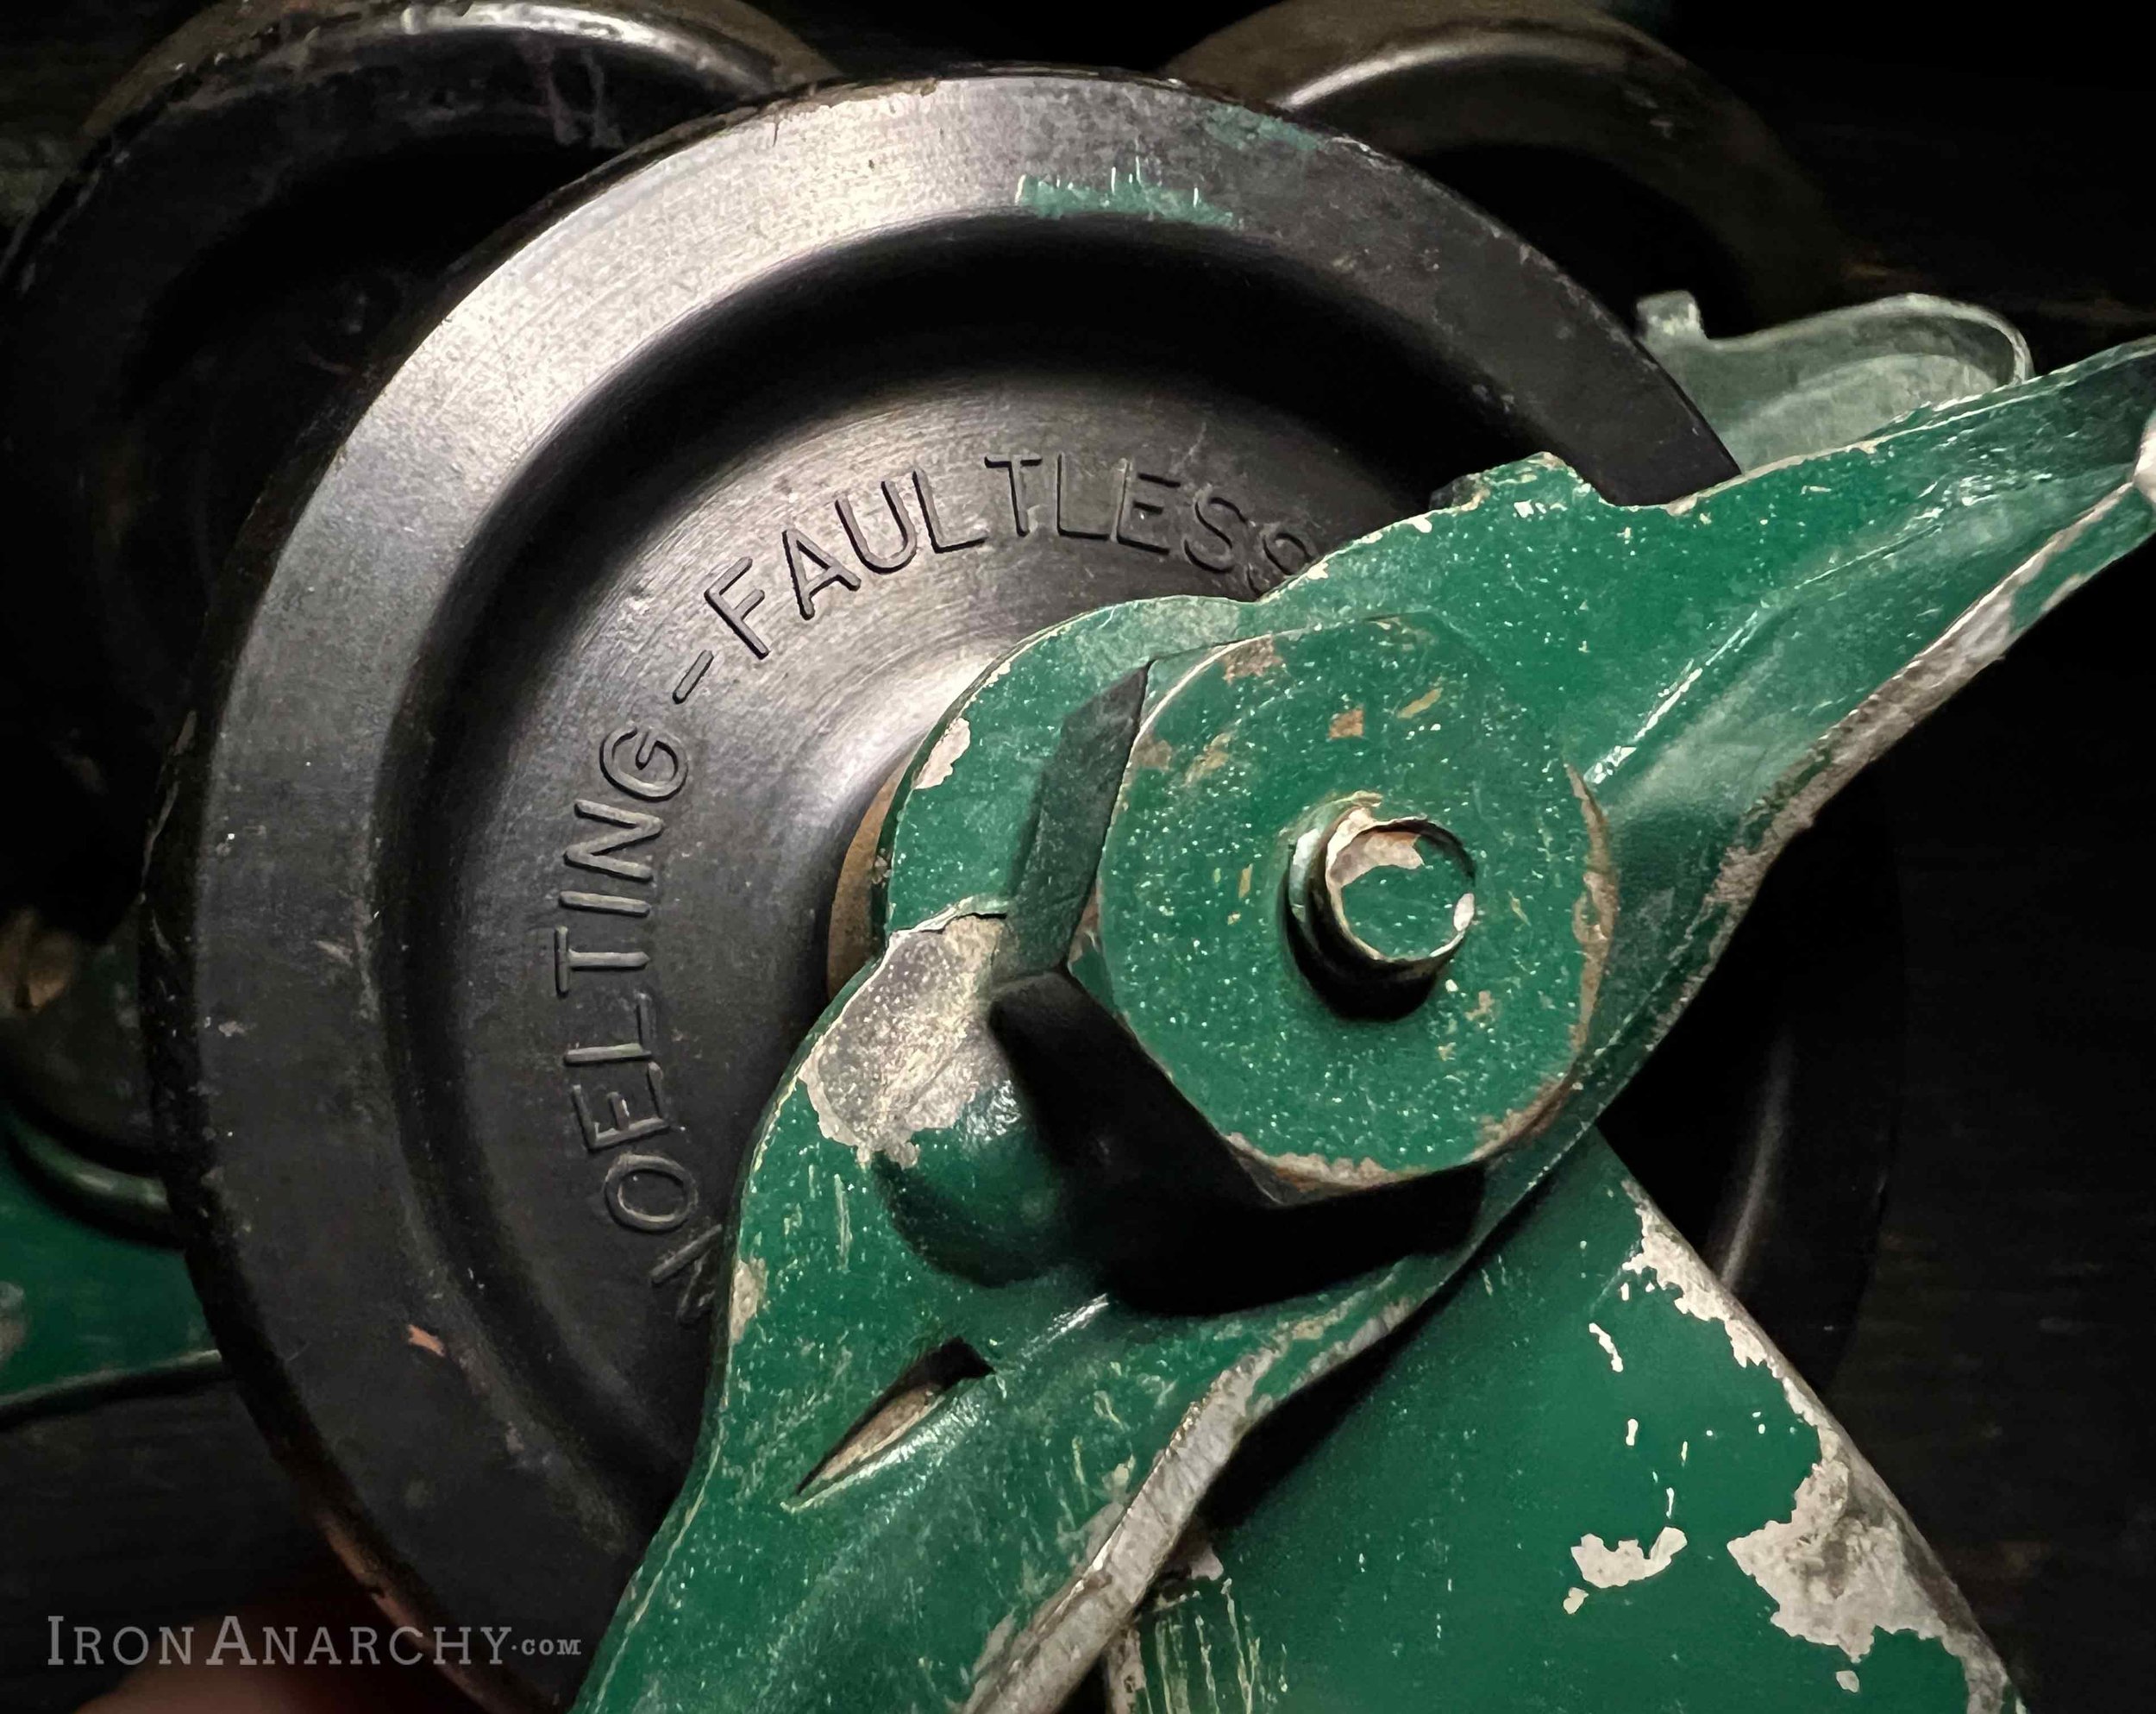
x=1253, y=659
x=1593, y=921
x=1242, y=882
x=1212, y=758
x=1595, y=911
x=425, y=1341
x=1423, y=704
x=1347, y=725
x=1151, y=752
x=1485, y=1007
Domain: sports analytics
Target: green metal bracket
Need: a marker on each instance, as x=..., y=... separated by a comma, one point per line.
x=1000, y=1315
x=84, y=1309
x=1239, y=762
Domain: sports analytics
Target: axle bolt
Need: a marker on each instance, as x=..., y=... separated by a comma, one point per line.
x=1381, y=904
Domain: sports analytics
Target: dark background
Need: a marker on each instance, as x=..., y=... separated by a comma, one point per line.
x=1995, y=1376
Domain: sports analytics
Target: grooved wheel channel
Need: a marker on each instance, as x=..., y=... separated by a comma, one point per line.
x=256, y=202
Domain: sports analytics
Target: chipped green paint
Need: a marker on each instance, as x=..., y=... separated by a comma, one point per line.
x=1128, y=192
x=1587, y=1483
x=1244, y=126
x=83, y=1309
x=1579, y=587
x=995, y=1337
x=971, y=821
x=1714, y=668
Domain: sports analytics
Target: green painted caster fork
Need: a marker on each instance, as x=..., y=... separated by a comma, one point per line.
x=1122, y=1143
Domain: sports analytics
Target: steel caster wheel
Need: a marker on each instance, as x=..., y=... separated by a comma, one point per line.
x=1022, y=760
x=518, y=806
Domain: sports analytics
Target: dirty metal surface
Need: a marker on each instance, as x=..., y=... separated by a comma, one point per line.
x=912, y=1327
x=1832, y=378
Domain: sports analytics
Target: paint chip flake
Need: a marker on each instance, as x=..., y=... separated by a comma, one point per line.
x=1846, y=1566
x=1608, y=1568
x=944, y=754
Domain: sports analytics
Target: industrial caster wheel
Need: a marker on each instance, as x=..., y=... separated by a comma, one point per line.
x=518, y=806
x=1252, y=976
x=626, y=593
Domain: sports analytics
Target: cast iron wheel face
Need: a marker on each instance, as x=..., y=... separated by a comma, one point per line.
x=458, y=1105
x=1633, y=169
x=258, y=199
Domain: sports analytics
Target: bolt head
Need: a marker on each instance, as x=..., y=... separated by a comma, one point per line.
x=1386, y=899
x=1302, y=775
